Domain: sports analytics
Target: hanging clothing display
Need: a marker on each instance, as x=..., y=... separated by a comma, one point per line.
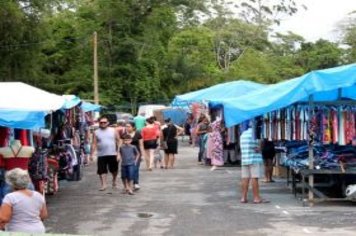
x=334, y=124
x=329, y=124
x=38, y=165
x=215, y=153
x=4, y=133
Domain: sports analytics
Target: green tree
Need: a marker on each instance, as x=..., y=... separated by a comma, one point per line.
x=22, y=33
x=319, y=55
x=153, y=50
x=192, y=59
x=348, y=38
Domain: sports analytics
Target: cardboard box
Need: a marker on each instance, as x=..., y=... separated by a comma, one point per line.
x=280, y=171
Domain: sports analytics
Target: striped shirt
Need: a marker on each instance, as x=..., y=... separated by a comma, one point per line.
x=248, y=146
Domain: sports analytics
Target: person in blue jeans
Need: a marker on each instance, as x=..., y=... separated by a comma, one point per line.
x=128, y=156
x=202, y=129
x=137, y=141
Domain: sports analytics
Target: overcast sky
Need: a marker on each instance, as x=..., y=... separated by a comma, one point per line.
x=319, y=20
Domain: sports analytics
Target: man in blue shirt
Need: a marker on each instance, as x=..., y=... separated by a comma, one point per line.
x=251, y=165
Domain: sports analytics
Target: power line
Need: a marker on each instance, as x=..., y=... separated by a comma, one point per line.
x=28, y=44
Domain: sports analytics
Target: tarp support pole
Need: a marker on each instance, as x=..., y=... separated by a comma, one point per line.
x=311, y=154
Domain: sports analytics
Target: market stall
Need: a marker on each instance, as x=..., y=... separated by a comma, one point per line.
x=201, y=103
x=317, y=108
x=24, y=106
x=71, y=136
x=23, y=109
x=43, y=133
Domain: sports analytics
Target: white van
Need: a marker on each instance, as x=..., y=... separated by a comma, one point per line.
x=147, y=110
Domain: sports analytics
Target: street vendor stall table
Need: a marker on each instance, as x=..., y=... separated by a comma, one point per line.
x=307, y=173
x=334, y=86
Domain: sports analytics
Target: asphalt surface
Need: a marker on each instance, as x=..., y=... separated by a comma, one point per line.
x=191, y=200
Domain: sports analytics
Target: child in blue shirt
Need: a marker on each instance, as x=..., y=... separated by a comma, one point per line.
x=129, y=156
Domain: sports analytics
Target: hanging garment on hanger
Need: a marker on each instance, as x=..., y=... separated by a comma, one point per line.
x=341, y=127
x=271, y=123
x=335, y=124
x=306, y=123
x=279, y=131
x=267, y=125
x=353, y=123
x=288, y=124
x=38, y=165
x=294, y=127
x=301, y=124
x=297, y=124
x=4, y=136
x=326, y=125
x=230, y=133
x=348, y=126
x=283, y=124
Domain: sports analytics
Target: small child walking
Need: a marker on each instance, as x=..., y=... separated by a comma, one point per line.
x=129, y=156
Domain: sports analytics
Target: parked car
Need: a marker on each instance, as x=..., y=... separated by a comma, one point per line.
x=148, y=110
x=124, y=116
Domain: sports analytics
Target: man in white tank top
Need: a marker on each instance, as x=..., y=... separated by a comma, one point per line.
x=105, y=143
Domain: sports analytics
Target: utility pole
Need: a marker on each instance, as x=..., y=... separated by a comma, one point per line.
x=96, y=86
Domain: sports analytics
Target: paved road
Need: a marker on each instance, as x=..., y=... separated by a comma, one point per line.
x=191, y=200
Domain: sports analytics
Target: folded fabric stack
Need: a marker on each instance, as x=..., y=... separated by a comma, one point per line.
x=325, y=157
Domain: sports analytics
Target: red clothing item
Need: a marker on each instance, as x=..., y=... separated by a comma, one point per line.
x=158, y=126
x=149, y=133
x=16, y=162
x=24, y=137
x=2, y=161
x=4, y=135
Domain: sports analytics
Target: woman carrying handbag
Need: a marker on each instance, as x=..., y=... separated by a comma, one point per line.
x=170, y=142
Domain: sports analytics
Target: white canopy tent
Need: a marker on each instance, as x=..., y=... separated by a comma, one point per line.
x=19, y=96
x=23, y=106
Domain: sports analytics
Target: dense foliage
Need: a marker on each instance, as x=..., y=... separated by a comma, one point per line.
x=151, y=50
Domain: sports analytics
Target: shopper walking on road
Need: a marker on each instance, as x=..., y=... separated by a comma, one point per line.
x=140, y=121
x=150, y=135
x=157, y=153
x=128, y=155
x=169, y=137
x=137, y=141
x=251, y=165
x=202, y=129
x=23, y=210
x=105, y=141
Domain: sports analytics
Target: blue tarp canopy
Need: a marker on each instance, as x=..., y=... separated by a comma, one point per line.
x=22, y=119
x=70, y=101
x=220, y=91
x=177, y=115
x=87, y=106
x=324, y=85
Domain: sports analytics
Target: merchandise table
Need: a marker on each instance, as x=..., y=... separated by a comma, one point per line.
x=306, y=173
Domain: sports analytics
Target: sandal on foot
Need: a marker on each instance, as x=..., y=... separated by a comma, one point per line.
x=102, y=189
x=124, y=191
x=243, y=201
x=261, y=201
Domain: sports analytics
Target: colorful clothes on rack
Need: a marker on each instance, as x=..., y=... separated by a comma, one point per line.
x=216, y=152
